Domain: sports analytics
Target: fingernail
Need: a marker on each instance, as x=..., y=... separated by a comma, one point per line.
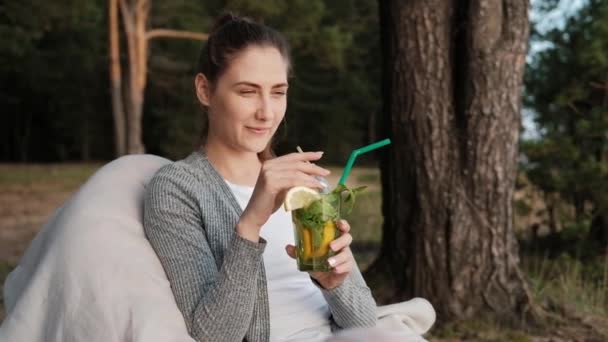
x=331, y=261
x=332, y=246
x=320, y=153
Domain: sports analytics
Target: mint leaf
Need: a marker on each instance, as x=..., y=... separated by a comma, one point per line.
x=328, y=208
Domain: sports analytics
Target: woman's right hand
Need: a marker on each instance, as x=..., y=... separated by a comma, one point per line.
x=276, y=177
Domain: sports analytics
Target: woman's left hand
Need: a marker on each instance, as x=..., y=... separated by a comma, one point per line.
x=341, y=263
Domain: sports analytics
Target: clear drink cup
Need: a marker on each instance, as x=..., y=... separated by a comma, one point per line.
x=315, y=227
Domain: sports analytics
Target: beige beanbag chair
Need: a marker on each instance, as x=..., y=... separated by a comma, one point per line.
x=91, y=275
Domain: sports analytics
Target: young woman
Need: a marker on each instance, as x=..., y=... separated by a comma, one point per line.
x=213, y=217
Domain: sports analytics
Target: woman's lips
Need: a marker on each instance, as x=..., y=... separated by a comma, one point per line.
x=258, y=130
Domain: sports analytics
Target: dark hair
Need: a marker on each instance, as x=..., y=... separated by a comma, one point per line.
x=230, y=35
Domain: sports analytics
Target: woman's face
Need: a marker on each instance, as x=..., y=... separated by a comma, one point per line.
x=248, y=101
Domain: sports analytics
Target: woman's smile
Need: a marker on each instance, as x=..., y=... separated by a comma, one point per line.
x=258, y=130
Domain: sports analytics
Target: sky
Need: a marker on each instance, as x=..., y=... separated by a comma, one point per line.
x=546, y=21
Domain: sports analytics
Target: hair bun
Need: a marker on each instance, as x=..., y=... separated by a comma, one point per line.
x=227, y=18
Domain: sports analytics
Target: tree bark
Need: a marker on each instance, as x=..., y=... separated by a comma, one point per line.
x=118, y=112
x=135, y=16
x=452, y=83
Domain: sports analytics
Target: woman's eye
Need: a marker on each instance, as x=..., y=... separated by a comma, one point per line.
x=247, y=92
x=280, y=93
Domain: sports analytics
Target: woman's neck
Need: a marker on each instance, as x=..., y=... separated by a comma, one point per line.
x=236, y=167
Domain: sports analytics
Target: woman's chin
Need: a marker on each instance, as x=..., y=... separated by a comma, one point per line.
x=255, y=144
x=257, y=147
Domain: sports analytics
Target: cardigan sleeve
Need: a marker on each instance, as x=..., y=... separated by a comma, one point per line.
x=351, y=304
x=217, y=302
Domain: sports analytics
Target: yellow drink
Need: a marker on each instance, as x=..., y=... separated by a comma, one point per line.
x=314, y=229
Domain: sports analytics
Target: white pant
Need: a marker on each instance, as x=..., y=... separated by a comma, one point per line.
x=405, y=321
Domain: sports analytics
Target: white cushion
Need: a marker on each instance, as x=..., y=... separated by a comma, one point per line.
x=90, y=274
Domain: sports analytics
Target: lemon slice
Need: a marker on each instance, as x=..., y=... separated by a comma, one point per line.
x=300, y=197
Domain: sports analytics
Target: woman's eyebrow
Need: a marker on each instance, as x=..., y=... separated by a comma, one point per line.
x=251, y=84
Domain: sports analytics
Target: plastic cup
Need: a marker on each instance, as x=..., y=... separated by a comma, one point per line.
x=314, y=229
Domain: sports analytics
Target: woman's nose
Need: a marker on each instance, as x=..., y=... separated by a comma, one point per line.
x=265, y=112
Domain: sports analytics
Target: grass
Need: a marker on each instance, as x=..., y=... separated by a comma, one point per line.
x=5, y=269
x=562, y=284
x=569, y=283
x=372, y=177
x=366, y=218
x=366, y=227
x=64, y=176
x=32, y=183
x=479, y=330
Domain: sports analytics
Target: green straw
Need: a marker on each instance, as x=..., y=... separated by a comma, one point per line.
x=354, y=154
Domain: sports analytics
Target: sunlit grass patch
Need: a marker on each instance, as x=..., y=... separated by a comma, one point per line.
x=61, y=176
x=581, y=287
x=5, y=269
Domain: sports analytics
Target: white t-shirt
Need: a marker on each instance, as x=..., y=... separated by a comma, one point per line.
x=298, y=311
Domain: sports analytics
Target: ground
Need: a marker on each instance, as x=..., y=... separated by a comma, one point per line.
x=29, y=194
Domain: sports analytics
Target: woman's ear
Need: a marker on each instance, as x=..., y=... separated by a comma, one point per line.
x=203, y=89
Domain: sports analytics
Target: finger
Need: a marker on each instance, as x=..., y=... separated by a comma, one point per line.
x=344, y=226
x=288, y=180
x=308, y=168
x=296, y=156
x=312, y=169
x=342, y=242
x=291, y=251
x=344, y=256
x=303, y=177
x=283, y=185
x=298, y=178
x=344, y=268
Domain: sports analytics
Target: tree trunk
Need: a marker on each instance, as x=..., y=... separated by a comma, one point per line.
x=452, y=84
x=135, y=16
x=118, y=112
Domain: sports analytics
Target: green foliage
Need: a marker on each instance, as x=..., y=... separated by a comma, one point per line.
x=55, y=82
x=52, y=68
x=318, y=212
x=566, y=85
x=522, y=208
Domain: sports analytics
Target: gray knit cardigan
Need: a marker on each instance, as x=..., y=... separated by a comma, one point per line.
x=217, y=277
